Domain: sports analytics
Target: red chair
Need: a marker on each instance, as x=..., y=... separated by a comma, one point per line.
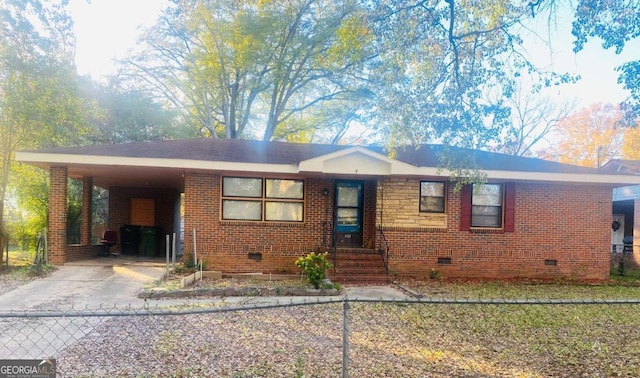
x=109, y=239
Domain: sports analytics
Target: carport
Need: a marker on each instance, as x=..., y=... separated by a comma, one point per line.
x=143, y=193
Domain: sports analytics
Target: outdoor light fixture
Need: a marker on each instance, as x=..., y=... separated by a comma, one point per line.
x=325, y=191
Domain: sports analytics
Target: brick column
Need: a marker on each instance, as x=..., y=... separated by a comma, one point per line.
x=87, y=190
x=57, y=215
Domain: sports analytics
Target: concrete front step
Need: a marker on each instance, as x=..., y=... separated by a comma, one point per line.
x=356, y=251
x=359, y=278
x=358, y=265
x=355, y=270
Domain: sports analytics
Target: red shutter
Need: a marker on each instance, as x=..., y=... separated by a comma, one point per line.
x=509, y=207
x=465, y=208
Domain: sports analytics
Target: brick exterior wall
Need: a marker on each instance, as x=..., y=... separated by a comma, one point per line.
x=569, y=225
x=120, y=211
x=228, y=245
x=369, y=215
x=566, y=223
x=59, y=251
x=82, y=252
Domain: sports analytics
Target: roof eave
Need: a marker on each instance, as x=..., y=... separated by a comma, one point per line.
x=391, y=167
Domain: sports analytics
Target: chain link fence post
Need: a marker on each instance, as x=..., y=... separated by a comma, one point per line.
x=345, y=339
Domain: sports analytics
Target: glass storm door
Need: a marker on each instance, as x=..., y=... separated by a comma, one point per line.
x=349, y=213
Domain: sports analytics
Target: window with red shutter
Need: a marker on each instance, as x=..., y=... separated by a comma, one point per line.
x=465, y=208
x=488, y=206
x=509, y=207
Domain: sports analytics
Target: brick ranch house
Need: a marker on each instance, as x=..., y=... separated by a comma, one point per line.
x=257, y=206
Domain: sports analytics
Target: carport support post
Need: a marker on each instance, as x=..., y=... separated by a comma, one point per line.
x=166, y=271
x=173, y=253
x=57, y=214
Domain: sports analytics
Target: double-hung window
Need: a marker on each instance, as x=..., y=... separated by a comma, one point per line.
x=432, y=196
x=487, y=201
x=258, y=199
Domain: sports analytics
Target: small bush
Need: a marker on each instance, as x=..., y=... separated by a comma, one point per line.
x=331, y=285
x=315, y=267
x=188, y=266
x=435, y=274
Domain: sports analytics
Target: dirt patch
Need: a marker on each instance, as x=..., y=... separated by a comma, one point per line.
x=236, y=287
x=240, y=283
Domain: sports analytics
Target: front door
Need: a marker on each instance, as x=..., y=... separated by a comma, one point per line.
x=349, y=213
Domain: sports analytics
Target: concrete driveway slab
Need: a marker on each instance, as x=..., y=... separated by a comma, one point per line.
x=91, y=285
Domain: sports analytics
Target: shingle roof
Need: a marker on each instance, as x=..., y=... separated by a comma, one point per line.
x=617, y=166
x=252, y=151
x=208, y=149
x=433, y=155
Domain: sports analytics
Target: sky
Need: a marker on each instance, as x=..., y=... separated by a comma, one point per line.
x=107, y=29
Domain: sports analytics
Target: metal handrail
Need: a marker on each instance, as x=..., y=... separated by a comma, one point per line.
x=622, y=248
x=333, y=241
x=384, y=252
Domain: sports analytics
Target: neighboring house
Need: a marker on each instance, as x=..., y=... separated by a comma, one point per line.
x=257, y=206
x=626, y=206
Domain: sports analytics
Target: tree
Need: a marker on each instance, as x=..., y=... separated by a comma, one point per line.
x=447, y=69
x=124, y=116
x=533, y=118
x=615, y=22
x=631, y=144
x=39, y=106
x=589, y=136
x=250, y=67
x=415, y=71
x=28, y=213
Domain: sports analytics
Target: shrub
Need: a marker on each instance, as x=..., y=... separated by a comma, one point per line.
x=315, y=267
x=188, y=266
x=435, y=274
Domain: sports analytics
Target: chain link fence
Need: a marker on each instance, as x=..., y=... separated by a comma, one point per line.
x=333, y=338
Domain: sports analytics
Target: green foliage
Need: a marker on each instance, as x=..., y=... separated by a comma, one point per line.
x=622, y=274
x=306, y=71
x=314, y=267
x=27, y=271
x=188, y=265
x=615, y=24
x=40, y=270
x=120, y=115
x=74, y=211
x=446, y=69
x=621, y=267
x=239, y=69
x=26, y=212
x=39, y=103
